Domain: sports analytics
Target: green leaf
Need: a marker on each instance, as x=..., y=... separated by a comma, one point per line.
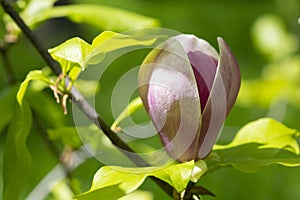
x=75, y=54
x=71, y=53
x=34, y=7
x=30, y=12
x=133, y=106
x=87, y=88
x=7, y=103
x=48, y=111
x=251, y=158
x=16, y=155
x=129, y=179
x=138, y=194
x=32, y=75
x=258, y=144
x=110, y=193
x=68, y=136
x=99, y=16
x=268, y=132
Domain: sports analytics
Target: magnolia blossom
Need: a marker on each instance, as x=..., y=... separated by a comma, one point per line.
x=188, y=90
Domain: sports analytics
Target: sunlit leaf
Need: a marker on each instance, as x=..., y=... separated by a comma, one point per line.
x=257, y=145
x=62, y=191
x=16, y=155
x=75, y=54
x=32, y=75
x=268, y=132
x=36, y=6
x=110, y=192
x=128, y=180
x=99, y=16
x=138, y=194
x=133, y=106
x=71, y=53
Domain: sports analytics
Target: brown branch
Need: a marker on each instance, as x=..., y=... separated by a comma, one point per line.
x=78, y=99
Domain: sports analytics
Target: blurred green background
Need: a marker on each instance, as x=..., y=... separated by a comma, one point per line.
x=264, y=36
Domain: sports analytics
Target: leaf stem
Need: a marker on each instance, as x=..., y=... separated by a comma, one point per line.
x=78, y=99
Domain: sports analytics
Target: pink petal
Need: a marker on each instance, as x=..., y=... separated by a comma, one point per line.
x=169, y=92
x=222, y=97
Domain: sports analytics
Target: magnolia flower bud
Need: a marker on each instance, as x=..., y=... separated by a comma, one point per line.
x=188, y=91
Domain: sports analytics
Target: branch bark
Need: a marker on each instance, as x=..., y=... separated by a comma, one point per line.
x=78, y=99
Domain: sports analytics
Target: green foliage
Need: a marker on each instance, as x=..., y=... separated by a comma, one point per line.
x=75, y=55
x=99, y=16
x=279, y=80
x=257, y=145
x=37, y=75
x=276, y=85
x=44, y=106
x=132, y=107
x=271, y=37
x=102, y=17
x=120, y=180
x=7, y=104
x=68, y=136
x=16, y=155
x=138, y=194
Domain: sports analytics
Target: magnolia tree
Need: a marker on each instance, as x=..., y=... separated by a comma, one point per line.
x=184, y=88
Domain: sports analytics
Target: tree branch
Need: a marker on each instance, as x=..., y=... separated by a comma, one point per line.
x=29, y=34
x=78, y=99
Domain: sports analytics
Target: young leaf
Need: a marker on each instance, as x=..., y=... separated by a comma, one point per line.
x=16, y=155
x=133, y=106
x=75, y=54
x=259, y=144
x=32, y=75
x=128, y=180
x=71, y=53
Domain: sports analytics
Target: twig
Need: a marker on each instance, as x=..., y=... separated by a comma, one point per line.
x=78, y=99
